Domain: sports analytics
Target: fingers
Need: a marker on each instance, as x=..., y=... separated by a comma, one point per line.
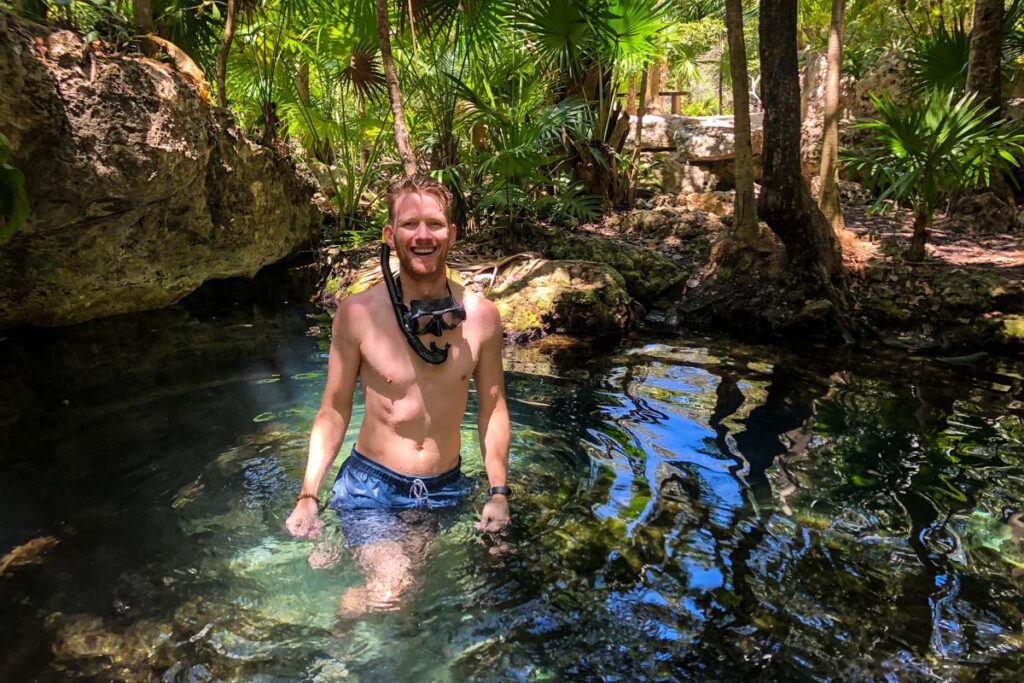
x=491, y=524
x=304, y=527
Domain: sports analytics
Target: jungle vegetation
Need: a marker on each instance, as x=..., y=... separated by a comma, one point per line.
x=522, y=106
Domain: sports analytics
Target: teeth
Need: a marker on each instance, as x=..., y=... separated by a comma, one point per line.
x=423, y=251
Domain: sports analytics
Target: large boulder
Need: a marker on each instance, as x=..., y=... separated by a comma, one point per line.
x=537, y=297
x=139, y=192
x=695, y=153
x=647, y=274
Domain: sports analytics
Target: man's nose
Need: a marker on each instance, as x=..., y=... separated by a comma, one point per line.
x=421, y=231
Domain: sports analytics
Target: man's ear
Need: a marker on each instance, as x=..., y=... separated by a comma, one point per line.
x=388, y=236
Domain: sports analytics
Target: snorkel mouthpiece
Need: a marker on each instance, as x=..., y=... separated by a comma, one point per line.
x=433, y=355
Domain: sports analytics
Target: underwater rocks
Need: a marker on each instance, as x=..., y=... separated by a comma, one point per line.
x=537, y=296
x=140, y=192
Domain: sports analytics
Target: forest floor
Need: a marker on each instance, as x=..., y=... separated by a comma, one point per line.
x=947, y=247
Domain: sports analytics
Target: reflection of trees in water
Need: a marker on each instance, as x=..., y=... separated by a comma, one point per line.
x=860, y=566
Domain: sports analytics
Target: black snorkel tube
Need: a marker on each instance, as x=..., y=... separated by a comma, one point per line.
x=433, y=355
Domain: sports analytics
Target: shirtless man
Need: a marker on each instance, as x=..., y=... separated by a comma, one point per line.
x=406, y=457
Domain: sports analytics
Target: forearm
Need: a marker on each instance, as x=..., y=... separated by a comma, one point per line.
x=325, y=440
x=494, y=439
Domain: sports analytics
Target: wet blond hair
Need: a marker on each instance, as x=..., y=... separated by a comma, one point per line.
x=420, y=184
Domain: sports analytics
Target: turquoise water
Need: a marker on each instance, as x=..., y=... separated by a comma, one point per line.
x=688, y=508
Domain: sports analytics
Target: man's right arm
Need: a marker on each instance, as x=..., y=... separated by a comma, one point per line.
x=332, y=418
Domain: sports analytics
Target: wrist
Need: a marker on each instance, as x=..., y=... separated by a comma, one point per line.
x=307, y=496
x=501, y=492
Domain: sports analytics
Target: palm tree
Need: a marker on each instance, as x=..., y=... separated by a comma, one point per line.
x=786, y=204
x=394, y=91
x=921, y=154
x=744, y=225
x=829, y=198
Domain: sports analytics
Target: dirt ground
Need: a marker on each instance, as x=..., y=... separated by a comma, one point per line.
x=1002, y=254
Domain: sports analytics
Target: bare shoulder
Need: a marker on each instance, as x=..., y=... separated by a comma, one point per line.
x=483, y=313
x=354, y=313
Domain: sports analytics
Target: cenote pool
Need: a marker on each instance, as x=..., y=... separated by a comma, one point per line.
x=688, y=508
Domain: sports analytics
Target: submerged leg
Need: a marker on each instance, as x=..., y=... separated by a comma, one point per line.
x=388, y=571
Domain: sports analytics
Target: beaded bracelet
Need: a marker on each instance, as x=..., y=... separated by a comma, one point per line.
x=303, y=496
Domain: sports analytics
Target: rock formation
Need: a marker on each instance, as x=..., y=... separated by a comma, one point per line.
x=139, y=192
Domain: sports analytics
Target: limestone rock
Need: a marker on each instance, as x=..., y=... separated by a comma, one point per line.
x=696, y=152
x=887, y=77
x=647, y=273
x=983, y=213
x=697, y=138
x=812, y=110
x=677, y=221
x=538, y=296
x=139, y=192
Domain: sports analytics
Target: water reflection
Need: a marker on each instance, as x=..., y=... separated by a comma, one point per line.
x=698, y=509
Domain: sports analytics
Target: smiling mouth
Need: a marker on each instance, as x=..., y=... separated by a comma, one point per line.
x=424, y=251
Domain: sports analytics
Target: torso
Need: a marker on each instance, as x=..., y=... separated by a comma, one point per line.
x=414, y=410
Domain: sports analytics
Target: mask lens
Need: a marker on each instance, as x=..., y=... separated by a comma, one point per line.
x=452, y=319
x=436, y=323
x=421, y=324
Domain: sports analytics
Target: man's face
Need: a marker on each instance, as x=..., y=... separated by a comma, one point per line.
x=421, y=235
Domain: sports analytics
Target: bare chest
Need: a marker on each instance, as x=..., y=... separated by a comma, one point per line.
x=393, y=370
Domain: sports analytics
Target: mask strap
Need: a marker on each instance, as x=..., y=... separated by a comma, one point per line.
x=433, y=355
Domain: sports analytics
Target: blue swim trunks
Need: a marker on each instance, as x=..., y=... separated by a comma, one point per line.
x=377, y=504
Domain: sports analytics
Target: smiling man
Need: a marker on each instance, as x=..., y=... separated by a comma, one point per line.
x=405, y=465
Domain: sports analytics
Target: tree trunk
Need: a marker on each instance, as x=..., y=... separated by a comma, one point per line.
x=142, y=24
x=641, y=111
x=786, y=203
x=721, y=78
x=302, y=82
x=829, y=199
x=142, y=16
x=744, y=222
x=983, y=68
x=922, y=221
x=653, y=102
x=222, y=56
x=631, y=98
x=394, y=93
x=270, y=123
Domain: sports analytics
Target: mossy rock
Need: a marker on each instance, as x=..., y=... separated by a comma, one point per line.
x=646, y=273
x=537, y=297
x=1012, y=331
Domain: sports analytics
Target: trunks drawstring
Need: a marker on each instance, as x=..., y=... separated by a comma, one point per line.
x=418, y=490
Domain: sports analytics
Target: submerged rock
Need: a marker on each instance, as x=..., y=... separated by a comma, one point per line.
x=139, y=192
x=539, y=296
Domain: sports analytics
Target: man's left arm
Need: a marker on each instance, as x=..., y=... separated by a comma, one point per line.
x=492, y=417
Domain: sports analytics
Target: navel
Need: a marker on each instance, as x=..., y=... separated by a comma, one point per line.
x=388, y=380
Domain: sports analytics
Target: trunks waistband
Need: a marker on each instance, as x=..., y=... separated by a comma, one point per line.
x=360, y=462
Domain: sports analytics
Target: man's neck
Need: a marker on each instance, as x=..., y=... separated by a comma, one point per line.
x=434, y=287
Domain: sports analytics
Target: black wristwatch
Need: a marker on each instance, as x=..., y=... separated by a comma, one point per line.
x=500, y=491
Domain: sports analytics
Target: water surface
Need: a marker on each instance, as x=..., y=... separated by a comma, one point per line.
x=686, y=507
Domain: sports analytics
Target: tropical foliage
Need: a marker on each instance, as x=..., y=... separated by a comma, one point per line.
x=923, y=153
x=520, y=106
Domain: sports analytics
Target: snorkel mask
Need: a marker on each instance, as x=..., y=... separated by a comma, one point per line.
x=422, y=316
